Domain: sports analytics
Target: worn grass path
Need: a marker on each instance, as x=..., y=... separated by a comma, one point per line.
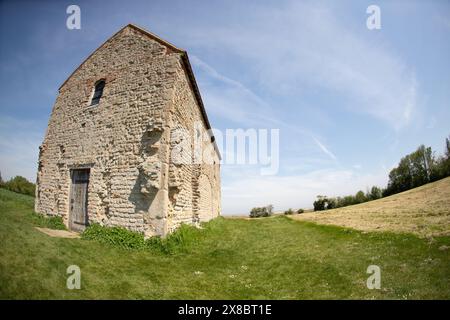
x=274, y=258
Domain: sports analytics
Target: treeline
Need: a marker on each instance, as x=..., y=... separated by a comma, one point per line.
x=325, y=203
x=418, y=168
x=18, y=184
x=259, y=212
x=415, y=169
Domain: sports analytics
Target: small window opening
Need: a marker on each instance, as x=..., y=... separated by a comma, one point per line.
x=98, y=92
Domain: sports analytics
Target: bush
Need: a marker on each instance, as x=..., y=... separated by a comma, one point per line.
x=289, y=212
x=299, y=211
x=320, y=203
x=116, y=236
x=48, y=222
x=261, y=211
x=178, y=241
x=331, y=203
x=20, y=185
x=325, y=203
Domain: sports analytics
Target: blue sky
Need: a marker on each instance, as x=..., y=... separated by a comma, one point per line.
x=349, y=102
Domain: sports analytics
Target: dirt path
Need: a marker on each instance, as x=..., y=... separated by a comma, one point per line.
x=59, y=233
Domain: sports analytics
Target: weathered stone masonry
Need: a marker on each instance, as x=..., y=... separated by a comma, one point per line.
x=129, y=140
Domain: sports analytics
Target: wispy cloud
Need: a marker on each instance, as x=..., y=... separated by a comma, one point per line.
x=325, y=149
x=231, y=99
x=306, y=46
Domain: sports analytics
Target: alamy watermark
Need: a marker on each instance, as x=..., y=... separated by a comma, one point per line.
x=74, y=19
x=237, y=147
x=74, y=278
x=374, y=20
x=374, y=280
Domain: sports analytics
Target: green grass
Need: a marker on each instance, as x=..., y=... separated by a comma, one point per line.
x=275, y=258
x=179, y=241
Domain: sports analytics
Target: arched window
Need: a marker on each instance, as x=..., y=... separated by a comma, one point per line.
x=98, y=92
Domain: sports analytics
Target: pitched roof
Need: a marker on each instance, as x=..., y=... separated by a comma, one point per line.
x=186, y=63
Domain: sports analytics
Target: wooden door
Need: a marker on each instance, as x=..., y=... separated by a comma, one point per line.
x=78, y=200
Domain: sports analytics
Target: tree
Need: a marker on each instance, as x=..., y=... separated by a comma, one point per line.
x=442, y=166
x=269, y=210
x=20, y=185
x=360, y=197
x=261, y=211
x=447, y=147
x=331, y=203
x=320, y=203
x=413, y=170
x=374, y=193
x=421, y=163
x=418, y=168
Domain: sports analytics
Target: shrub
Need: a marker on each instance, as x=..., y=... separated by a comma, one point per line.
x=320, y=203
x=178, y=241
x=331, y=203
x=325, y=203
x=360, y=197
x=299, y=211
x=116, y=236
x=20, y=185
x=289, y=212
x=261, y=211
x=48, y=222
x=346, y=201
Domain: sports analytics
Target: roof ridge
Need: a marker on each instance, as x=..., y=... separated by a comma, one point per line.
x=129, y=25
x=155, y=37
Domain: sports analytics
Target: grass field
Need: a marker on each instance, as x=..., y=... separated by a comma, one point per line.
x=276, y=258
x=424, y=211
